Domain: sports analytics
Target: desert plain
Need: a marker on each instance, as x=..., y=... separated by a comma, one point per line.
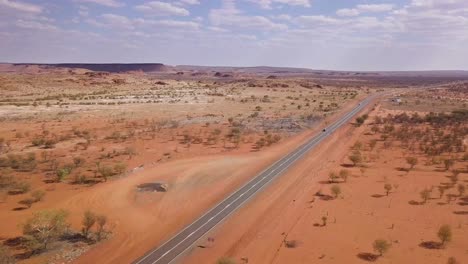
x=110, y=163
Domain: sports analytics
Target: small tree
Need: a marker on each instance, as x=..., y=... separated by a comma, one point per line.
x=441, y=191
x=45, y=227
x=120, y=168
x=445, y=234
x=62, y=174
x=452, y=260
x=28, y=202
x=448, y=163
x=336, y=190
x=344, y=174
x=106, y=172
x=78, y=161
x=388, y=187
x=38, y=195
x=324, y=220
x=101, y=221
x=412, y=161
x=332, y=176
x=355, y=157
x=425, y=195
x=89, y=219
x=461, y=189
x=381, y=246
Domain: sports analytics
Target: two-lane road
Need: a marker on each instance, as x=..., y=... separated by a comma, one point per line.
x=186, y=238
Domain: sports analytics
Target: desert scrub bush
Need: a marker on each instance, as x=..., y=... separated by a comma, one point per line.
x=38, y=195
x=78, y=161
x=120, y=168
x=333, y=177
x=442, y=190
x=361, y=119
x=5, y=256
x=324, y=220
x=425, y=195
x=336, y=190
x=445, y=234
x=20, y=187
x=62, y=174
x=88, y=221
x=356, y=157
x=412, y=161
x=225, y=260
x=43, y=228
x=388, y=187
x=461, y=189
x=101, y=224
x=23, y=163
x=290, y=243
x=381, y=246
x=344, y=174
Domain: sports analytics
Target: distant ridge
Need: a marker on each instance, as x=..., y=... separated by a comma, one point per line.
x=107, y=67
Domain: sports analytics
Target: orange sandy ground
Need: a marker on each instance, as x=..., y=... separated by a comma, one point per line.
x=144, y=221
x=288, y=210
x=140, y=221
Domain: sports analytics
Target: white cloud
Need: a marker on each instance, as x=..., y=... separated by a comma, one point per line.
x=109, y=3
x=267, y=4
x=284, y=17
x=230, y=16
x=319, y=20
x=348, y=12
x=21, y=6
x=190, y=2
x=439, y=3
x=375, y=8
x=162, y=9
x=117, y=21
x=35, y=25
x=176, y=24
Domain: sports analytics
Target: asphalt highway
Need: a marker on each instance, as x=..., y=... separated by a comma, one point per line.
x=186, y=238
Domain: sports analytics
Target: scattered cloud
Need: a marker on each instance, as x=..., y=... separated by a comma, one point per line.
x=375, y=8
x=190, y=2
x=359, y=9
x=109, y=3
x=268, y=4
x=162, y=9
x=348, y=12
x=230, y=15
x=275, y=32
x=20, y=6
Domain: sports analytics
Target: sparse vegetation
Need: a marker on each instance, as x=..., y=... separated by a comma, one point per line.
x=445, y=234
x=44, y=227
x=89, y=219
x=425, y=195
x=356, y=157
x=225, y=260
x=381, y=246
x=388, y=188
x=336, y=190
x=412, y=161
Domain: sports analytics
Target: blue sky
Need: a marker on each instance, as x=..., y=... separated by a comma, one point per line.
x=319, y=34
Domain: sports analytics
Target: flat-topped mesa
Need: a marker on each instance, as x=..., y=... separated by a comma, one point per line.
x=110, y=67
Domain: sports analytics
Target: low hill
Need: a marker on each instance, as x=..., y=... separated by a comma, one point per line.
x=107, y=67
